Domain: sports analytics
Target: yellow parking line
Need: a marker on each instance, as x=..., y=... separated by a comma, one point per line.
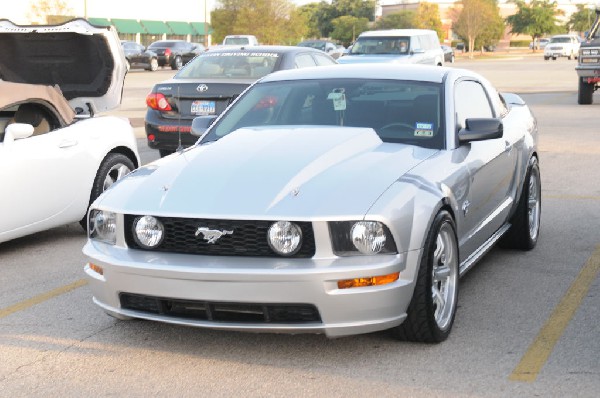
x=41, y=298
x=536, y=356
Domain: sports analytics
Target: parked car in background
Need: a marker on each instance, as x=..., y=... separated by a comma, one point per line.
x=138, y=57
x=448, y=53
x=562, y=46
x=57, y=155
x=418, y=46
x=339, y=200
x=324, y=45
x=540, y=44
x=240, y=40
x=208, y=84
x=175, y=53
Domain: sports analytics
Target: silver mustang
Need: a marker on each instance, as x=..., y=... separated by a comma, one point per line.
x=337, y=200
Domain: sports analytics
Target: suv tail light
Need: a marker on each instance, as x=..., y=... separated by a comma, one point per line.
x=167, y=52
x=158, y=102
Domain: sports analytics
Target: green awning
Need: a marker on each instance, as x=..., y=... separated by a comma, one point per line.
x=99, y=21
x=128, y=26
x=199, y=28
x=180, y=28
x=155, y=27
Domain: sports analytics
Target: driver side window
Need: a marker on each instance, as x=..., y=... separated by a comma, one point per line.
x=471, y=101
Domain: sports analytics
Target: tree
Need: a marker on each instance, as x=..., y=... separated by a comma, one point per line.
x=50, y=11
x=346, y=28
x=398, y=20
x=582, y=19
x=536, y=18
x=476, y=19
x=326, y=13
x=272, y=21
x=428, y=17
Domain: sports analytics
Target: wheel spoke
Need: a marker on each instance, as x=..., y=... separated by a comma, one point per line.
x=438, y=302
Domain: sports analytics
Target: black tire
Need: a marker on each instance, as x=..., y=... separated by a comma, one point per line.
x=525, y=223
x=437, y=277
x=546, y=58
x=165, y=152
x=177, y=63
x=553, y=58
x=585, y=94
x=114, y=167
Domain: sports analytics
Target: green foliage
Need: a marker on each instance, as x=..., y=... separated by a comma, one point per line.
x=398, y=20
x=519, y=43
x=536, y=18
x=271, y=21
x=478, y=23
x=324, y=13
x=346, y=28
x=428, y=17
x=582, y=19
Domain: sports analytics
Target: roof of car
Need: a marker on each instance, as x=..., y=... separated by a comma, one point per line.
x=427, y=73
x=262, y=49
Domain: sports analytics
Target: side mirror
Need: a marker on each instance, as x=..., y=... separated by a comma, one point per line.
x=480, y=130
x=201, y=123
x=17, y=131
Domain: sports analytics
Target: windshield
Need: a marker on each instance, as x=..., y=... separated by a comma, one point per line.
x=229, y=65
x=319, y=45
x=381, y=45
x=398, y=111
x=163, y=44
x=560, y=40
x=236, y=40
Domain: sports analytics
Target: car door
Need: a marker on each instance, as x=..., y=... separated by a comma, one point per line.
x=42, y=178
x=187, y=52
x=491, y=167
x=137, y=54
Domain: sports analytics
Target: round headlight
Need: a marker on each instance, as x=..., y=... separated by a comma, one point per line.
x=368, y=236
x=285, y=238
x=148, y=231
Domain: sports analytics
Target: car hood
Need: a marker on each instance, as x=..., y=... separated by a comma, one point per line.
x=86, y=62
x=292, y=172
x=381, y=58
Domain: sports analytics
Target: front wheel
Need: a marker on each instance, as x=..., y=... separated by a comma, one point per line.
x=177, y=63
x=585, y=95
x=525, y=223
x=432, y=309
x=114, y=167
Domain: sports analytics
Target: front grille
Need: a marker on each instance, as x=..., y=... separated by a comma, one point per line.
x=222, y=312
x=249, y=238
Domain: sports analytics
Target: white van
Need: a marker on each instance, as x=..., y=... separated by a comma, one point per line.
x=416, y=46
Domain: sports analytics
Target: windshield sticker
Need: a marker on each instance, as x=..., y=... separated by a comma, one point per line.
x=423, y=129
x=339, y=99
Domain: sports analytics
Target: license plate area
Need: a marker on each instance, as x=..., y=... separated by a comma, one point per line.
x=203, y=107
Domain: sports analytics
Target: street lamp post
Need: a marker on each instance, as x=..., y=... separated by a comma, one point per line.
x=205, y=27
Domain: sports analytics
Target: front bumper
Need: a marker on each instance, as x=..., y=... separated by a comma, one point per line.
x=588, y=70
x=256, y=281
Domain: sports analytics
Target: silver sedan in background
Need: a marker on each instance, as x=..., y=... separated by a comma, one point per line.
x=338, y=200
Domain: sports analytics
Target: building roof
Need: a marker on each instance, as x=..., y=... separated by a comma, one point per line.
x=155, y=27
x=128, y=26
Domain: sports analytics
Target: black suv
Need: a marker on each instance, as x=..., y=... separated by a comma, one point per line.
x=588, y=64
x=175, y=53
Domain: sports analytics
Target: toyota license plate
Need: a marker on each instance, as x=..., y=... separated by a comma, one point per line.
x=203, y=108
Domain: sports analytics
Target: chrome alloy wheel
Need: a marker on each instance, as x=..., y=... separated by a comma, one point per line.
x=533, y=205
x=115, y=173
x=444, y=277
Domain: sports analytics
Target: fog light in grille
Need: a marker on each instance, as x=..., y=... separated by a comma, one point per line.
x=284, y=238
x=369, y=281
x=148, y=231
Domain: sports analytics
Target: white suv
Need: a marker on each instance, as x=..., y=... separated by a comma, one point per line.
x=562, y=46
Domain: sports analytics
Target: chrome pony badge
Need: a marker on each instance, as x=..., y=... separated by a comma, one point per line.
x=202, y=88
x=212, y=235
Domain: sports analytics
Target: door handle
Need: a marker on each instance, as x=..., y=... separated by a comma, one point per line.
x=67, y=143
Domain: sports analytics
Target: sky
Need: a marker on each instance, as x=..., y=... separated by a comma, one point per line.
x=159, y=10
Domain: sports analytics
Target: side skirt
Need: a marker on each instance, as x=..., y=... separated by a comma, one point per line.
x=482, y=250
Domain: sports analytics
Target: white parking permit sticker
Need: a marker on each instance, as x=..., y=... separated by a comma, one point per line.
x=423, y=129
x=339, y=100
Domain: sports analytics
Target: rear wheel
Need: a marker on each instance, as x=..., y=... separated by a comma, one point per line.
x=585, y=95
x=525, y=223
x=114, y=167
x=431, y=312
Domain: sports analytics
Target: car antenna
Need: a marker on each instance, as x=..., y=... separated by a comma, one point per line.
x=179, y=147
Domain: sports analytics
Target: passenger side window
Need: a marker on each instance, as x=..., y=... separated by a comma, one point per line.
x=322, y=60
x=471, y=102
